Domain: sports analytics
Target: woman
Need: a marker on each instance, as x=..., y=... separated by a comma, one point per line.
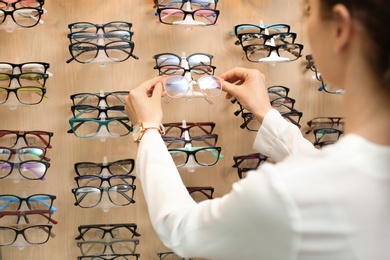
x=312, y=204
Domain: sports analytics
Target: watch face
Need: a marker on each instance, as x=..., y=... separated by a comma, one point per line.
x=136, y=131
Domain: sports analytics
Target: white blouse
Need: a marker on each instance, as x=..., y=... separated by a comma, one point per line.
x=332, y=204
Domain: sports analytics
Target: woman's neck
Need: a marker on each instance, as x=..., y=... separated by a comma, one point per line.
x=367, y=108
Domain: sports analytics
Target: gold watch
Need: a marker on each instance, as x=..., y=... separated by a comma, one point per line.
x=140, y=128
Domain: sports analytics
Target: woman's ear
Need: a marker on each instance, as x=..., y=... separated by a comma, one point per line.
x=343, y=27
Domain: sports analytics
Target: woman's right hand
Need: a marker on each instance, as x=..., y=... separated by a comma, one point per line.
x=248, y=87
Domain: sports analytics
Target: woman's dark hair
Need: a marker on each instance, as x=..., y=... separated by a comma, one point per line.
x=374, y=15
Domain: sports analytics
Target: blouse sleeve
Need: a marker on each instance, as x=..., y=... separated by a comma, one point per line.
x=253, y=221
x=278, y=138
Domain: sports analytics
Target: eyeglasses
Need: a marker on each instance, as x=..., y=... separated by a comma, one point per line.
x=27, y=67
x=9, y=138
x=90, y=127
x=173, y=16
x=178, y=86
x=110, y=257
x=117, y=35
x=23, y=153
x=10, y=202
x=206, y=191
x=87, y=111
x=257, y=52
x=170, y=256
x=195, y=4
x=89, y=197
x=116, y=231
x=193, y=60
x=120, y=167
x=21, y=3
x=293, y=116
x=33, y=234
x=317, y=75
x=26, y=17
x=204, y=156
x=325, y=122
x=94, y=28
x=86, y=52
x=283, y=104
x=192, y=128
x=116, y=98
x=27, y=79
x=30, y=217
x=97, y=181
x=99, y=247
x=326, y=136
x=252, y=28
x=245, y=163
x=25, y=95
x=252, y=124
x=196, y=141
x=259, y=38
x=30, y=169
x=278, y=91
x=177, y=70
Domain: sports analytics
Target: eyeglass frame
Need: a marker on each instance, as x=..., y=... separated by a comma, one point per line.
x=266, y=37
x=274, y=48
x=101, y=47
x=25, y=213
x=18, y=167
x=45, y=65
x=14, y=151
x=101, y=110
x=171, y=139
x=99, y=26
x=26, y=199
x=186, y=13
x=106, y=166
x=107, y=190
x=238, y=159
x=112, y=256
x=23, y=133
x=108, y=243
x=180, y=58
x=336, y=121
x=193, y=152
x=157, y=5
x=11, y=13
x=21, y=231
x=107, y=228
x=193, y=189
x=189, y=125
x=16, y=91
x=105, y=179
x=101, y=122
x=100, y=97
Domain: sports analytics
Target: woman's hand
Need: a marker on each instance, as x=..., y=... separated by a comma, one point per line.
x=143, y=104
x=248, y=87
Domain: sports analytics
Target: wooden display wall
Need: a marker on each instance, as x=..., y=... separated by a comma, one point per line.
x=48, y=42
